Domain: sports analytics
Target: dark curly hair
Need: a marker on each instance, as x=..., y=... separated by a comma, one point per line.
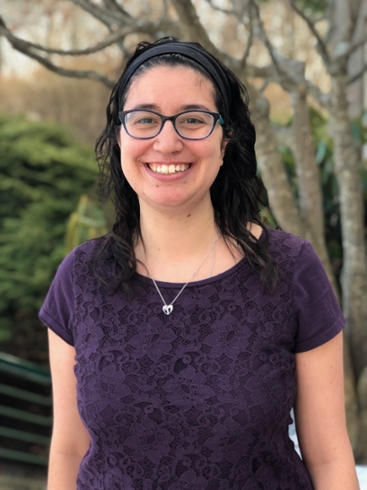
x=237, y=192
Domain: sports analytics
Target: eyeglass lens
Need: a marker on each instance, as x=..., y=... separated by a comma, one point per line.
x=192, y=125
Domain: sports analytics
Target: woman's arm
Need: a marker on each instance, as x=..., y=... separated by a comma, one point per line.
x=320, y=417
x=70, y=439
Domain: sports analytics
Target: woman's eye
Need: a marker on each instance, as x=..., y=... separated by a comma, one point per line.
x=193, y=120
x=145, y=120
x=141, y=118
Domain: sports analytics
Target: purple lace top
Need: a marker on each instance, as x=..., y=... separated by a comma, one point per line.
x=199, y=399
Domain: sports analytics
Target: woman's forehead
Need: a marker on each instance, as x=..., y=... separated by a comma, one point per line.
x=170, y=82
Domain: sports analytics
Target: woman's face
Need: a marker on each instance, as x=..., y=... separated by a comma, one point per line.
x=168, y=91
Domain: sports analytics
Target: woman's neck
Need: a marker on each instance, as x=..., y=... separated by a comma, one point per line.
x=174, y=245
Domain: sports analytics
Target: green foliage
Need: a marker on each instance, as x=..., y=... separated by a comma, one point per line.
x=43, y=173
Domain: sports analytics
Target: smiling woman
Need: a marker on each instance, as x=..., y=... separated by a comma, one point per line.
x=195, y=144
x=181, y=341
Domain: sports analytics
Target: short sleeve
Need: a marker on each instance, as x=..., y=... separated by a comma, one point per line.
x=58, y=309
x=318, y=312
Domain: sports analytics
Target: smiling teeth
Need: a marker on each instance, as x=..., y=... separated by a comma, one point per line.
x=169, y=169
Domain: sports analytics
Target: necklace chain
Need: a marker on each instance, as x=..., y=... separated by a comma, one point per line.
x=167, y=309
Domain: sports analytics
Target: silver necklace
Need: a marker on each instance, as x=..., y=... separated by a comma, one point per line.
x=167, y=309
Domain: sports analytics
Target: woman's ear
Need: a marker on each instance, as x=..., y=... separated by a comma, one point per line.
x=223, y=148
x=224, y=144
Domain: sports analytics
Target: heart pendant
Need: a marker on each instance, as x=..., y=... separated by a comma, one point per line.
x=167, y=309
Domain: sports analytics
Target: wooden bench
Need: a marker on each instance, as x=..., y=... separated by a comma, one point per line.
x=25, y=410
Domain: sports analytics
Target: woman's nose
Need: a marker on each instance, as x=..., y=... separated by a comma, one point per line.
x=168, y=140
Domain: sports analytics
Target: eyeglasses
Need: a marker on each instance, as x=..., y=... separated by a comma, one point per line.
x=190, y=125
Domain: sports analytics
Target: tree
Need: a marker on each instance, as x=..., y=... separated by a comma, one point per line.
x=334, y=37
x=43, y=173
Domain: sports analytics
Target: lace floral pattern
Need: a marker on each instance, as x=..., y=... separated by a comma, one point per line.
x=199, y=399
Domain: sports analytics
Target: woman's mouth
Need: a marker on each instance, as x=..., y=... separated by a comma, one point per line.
x=169, y=169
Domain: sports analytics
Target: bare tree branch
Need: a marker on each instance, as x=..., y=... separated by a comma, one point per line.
x=319, y=19
x=149, y=28
x=239, y=15
x=320, y=43
x=113, y=5
x=289, y=72
x=355, y=15
x=268, y=73
x=220, y=9
x=358, y=75
x=117, y=36
x=23, y=47
x=322, y=98
x=249, y=42
x=103, y=15
x=193, y=29
x=355, y=46
x=254, y=71
x=264, y=86
x=259, y=30
x=294, y=71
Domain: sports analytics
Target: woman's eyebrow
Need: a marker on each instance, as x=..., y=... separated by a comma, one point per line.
x=186, y=107
x=151, y=107
x=194, y=107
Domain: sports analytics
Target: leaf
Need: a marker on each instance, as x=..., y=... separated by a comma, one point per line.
x=321, y=151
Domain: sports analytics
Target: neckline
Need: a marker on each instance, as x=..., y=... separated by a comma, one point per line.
x=201, y=282
x=177, y=285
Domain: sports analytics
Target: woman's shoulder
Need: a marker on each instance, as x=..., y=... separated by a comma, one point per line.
x=86, y=251
x=280, y=238
x=82, y=257
x=72, y=277
x=282, y=243
x=90, y=248
x=291, y=252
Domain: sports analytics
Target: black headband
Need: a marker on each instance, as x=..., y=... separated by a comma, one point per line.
x=189, y=50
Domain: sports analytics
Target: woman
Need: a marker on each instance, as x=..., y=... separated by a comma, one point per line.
x=180, y=342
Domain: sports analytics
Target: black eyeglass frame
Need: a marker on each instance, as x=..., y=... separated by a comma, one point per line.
x=216, y=117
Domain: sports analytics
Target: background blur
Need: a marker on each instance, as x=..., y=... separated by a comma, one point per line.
x=304, y=65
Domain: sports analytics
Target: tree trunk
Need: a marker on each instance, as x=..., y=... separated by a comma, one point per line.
x=354, y=276
x=309, y=187
x=282, y=200
x=362, y=397
x=351, y=398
